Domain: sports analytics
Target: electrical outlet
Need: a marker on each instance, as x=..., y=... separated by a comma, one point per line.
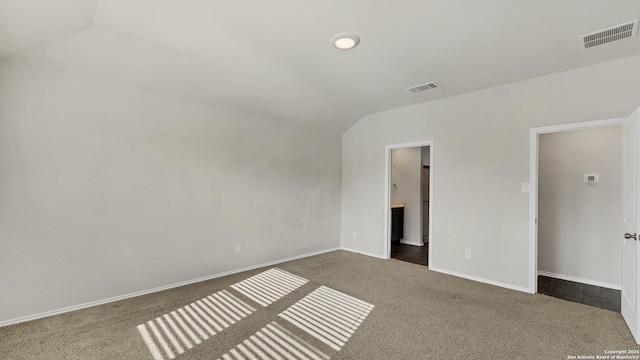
x=467, y=253
x=354, y=234
x=238, y=248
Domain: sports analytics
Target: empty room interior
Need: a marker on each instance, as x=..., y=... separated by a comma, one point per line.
x=206, y=179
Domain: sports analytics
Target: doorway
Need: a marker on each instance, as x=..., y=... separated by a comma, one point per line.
x=575, y=206
x=408, y=205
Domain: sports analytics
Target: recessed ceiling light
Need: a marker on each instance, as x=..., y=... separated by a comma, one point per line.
x=345, y=41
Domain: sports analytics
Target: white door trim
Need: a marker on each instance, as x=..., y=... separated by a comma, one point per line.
x=387, y=195
x=533, y=185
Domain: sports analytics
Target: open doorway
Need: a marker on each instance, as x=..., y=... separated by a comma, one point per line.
x=408, y=202
x=425, y=182
x=578, y=206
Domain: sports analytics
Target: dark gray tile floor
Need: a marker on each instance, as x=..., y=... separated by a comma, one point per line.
x=413, y=254
x=597, y=296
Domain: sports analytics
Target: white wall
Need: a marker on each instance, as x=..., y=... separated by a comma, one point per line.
x=481, y=157
x=406, y=174
x=580, y=224
x=107, y=190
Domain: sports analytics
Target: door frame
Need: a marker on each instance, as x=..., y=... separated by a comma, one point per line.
x=533, y=184
x=387, y=195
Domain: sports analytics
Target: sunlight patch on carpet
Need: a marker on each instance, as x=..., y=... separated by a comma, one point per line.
x=274, y=342
x=269, y=286
x=174, y=332
x=328, y=315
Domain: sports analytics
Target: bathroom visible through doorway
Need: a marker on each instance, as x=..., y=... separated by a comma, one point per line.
x=409, y=195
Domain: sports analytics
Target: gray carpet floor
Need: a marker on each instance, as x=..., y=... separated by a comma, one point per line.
x=418, y=314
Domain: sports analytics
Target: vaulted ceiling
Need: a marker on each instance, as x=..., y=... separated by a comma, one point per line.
x=274, y=57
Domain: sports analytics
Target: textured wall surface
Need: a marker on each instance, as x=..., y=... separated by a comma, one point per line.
x=406, y=173
x=107, y=190
x=580, y=224
x=480, y=158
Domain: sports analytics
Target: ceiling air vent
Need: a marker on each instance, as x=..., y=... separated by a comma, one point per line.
x=423, y=87
x=619, y=32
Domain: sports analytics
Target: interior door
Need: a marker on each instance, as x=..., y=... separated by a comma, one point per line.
x=631, y=127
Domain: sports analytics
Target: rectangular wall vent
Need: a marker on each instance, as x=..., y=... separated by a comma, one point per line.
x=423, y=87
x=619, y=32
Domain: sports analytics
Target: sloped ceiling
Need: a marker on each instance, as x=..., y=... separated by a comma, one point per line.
x=26, y=23
x=274, y=58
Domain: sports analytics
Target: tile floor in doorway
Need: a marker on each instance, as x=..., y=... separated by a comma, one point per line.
x=410, y=253
x=597, y=296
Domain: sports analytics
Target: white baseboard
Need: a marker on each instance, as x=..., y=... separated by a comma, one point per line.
x=411, y=243
x=580, y=280
x=161, y=288
x=460, y=275
x=362, y=252
x=482, y=280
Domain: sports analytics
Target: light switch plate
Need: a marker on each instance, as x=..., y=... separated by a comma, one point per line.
x=526, y=188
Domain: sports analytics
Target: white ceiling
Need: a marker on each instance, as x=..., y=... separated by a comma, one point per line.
x=274, y=58
x=26, y=23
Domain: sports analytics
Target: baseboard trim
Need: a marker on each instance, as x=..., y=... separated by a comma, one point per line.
x=482, y=280
x=411, y=243
x=453, y=273
x=157, y=289
x=362, y=253
x=580, y=280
